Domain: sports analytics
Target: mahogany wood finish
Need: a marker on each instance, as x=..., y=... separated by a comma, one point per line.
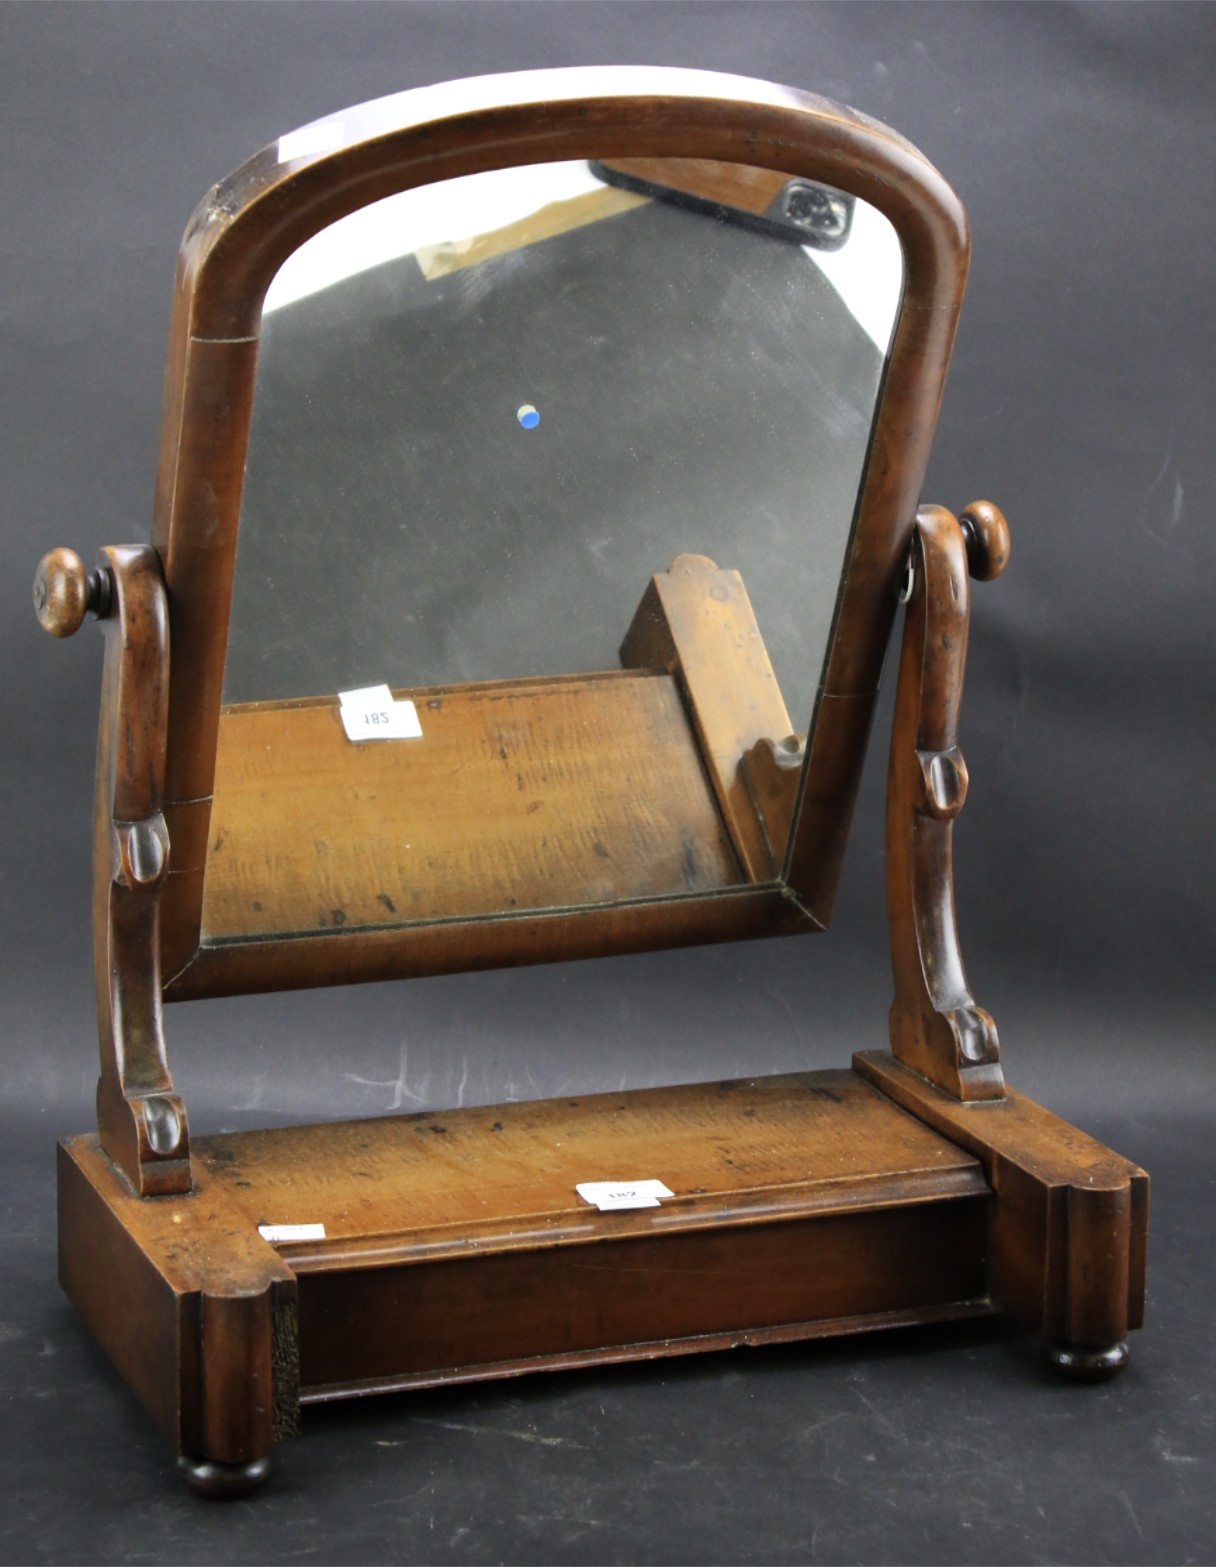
x=64, y=592
x=936, y=1027
x=1069, y=1231
x=772, y=770
x=915, y=1188
x=234, y=244
x=804, y=1206
x=142, y=1121
x=195, y=1310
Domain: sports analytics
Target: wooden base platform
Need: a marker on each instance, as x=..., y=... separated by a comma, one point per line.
x=454, y=1246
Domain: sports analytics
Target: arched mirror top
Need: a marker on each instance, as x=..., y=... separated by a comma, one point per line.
x=249, y=223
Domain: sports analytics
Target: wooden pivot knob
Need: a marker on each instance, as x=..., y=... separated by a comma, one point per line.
x=987, y=535
x=64, y=592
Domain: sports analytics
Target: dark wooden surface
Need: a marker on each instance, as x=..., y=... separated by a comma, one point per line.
x=936, y=1027
x=181, y=1294
x=1069, y=1233
x=244, y=229
x=881, y=1245
x=456, y=1246
x=1103, y=1012
x=502, y=1178
x=141, y=1118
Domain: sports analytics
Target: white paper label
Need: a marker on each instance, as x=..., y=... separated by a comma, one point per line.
x=609, y=1195
x=371, y=714
x=277, y=1234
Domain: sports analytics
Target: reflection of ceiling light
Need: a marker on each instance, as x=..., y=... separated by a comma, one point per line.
x=430, y=215
x=867, y=272
x=309, y=140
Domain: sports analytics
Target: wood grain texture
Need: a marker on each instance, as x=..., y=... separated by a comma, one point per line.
x=696, y=623
x=61, y=592
x=524, y=1312
x=771, y=770
x=455, y=1246
x=246, y=227
x=1069, y=1216
x=502, y=1177
x=454, y=1243
x=540, y=794
x=141, y=1119
x=182, y=1294
x=936, y=1027
x=457, y=1240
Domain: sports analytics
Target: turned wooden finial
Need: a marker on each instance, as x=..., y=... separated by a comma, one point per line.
x=987, y=538
x=64, y=592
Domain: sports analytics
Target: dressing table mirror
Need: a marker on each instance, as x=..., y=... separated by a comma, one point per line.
x=540, y=480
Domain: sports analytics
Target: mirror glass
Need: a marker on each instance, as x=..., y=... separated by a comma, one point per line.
x=551, y=478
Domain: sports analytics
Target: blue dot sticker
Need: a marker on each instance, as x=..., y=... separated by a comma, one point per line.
x=528, y=416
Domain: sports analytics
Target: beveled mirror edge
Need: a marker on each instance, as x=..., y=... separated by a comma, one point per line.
x=234, y=244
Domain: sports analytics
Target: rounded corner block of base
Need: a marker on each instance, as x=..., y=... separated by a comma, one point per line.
x=1087, y=1364
x=223, y=1482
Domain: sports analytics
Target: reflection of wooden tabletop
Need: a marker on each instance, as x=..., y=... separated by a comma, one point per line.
x=517, y=797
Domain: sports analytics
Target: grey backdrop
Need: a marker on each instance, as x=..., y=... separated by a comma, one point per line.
x=1081, y=400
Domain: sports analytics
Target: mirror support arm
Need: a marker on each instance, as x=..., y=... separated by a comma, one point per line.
x=141, y=1120
x=936, y=1027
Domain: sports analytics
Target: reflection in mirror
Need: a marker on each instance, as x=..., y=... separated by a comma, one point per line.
x=567, y=457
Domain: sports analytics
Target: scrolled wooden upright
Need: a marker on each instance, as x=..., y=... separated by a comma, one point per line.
x=917, y=1187
x=936, y=1027
x=141, y=1119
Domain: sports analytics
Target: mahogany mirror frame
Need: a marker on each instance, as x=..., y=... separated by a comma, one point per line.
x=914, y=1188
x=239, y=237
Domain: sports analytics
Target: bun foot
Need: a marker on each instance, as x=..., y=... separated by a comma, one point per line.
x=1088, y=1365
x=223, y=1482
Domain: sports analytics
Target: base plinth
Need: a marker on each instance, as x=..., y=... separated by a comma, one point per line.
x=331, y=1261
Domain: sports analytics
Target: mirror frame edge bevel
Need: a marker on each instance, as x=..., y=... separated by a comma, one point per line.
x=232, y=247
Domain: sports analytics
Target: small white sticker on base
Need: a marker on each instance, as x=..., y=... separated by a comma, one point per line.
x=278, y=1234
x=610, y=1195
x=371, y=713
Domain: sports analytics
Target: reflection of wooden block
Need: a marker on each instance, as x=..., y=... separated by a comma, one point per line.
x=773, y=770
x=695, y=622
